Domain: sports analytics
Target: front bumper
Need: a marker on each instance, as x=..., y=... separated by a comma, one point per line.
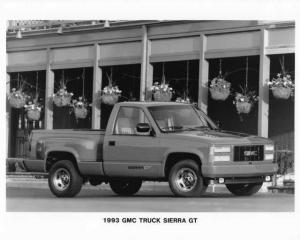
x=249, y=169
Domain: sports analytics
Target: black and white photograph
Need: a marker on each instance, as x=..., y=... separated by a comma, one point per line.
x=149, y=124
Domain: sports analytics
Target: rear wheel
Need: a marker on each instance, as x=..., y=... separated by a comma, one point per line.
x=125, y=187
x=185, y=179
x=247, y=189
x=64, y=180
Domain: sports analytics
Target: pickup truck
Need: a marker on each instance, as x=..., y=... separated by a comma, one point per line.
x=152, y=141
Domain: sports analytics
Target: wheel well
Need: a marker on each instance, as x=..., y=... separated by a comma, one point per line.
x=174, y=158
x=56, y=156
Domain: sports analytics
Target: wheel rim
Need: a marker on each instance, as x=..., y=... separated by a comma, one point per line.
x=61, y=179
x=186, y=179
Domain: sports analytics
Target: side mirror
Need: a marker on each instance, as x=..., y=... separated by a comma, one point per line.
x=143, y=129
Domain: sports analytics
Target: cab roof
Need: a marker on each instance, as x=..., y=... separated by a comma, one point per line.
x=150, y=103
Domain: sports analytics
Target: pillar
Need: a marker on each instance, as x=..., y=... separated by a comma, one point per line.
x=146, y=67
x=203, y=75
x=49, y=93
x=97, y=85
x=264, y=74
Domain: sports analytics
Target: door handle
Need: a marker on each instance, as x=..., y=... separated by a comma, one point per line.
x=111, y=143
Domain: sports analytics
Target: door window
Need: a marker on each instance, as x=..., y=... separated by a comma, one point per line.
x=127, y=119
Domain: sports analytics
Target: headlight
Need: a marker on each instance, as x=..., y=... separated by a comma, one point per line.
x=222, y=149
x=269, y=147
x=221, y=158
x=269, y=156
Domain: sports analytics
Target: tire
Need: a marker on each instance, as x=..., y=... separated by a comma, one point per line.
x=185, y=179
x=64, y=180
x=247, y=189
x=125, y=187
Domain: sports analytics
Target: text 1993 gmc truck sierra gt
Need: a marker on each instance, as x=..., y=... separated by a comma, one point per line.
x=152, y=141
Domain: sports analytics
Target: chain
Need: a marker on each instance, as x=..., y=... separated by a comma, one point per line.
x=187, y=78
x=220, y=67
x=246, y=74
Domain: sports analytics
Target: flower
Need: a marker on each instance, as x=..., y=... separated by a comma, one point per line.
x=247, y=96
x=80, y=103
x=33, y=106
x=282, y=80
x=162, y=88
x=111, y=90
x=183, y=100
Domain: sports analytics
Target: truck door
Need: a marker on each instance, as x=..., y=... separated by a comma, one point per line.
x=127, y=153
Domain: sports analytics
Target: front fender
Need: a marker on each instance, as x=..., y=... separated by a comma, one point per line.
x=194, y=151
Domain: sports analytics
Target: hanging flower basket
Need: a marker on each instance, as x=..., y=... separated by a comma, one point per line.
x=162, y=92
x=162, y=96
x=110, y=99
x=110, y=94
x=34, y=115
x=219, y=88
x=281, y=92
x=80, y=108
x=17, y=98
x=62, y=97
x=282, y=86
x=245, y=101
x=80, y=113
x=243, y=107
x=33, y=111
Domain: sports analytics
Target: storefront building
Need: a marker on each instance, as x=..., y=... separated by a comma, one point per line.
x=135, y=54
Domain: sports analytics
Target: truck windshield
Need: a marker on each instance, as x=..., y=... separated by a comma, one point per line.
x=173, y=118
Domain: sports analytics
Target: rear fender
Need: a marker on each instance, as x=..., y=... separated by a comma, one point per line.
x=61, y=149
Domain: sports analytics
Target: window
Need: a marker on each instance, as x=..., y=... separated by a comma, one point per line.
x=127, y=119
x=179, y=118
x=182, y=76
x=127, y=78
x=79, y=81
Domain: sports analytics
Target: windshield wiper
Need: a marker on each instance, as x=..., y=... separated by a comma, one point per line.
x=196, y=128
x=172, y=129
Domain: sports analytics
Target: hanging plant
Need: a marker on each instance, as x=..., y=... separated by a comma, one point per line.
x=245, y=100
x=17, y=98
x=282, y=85
x=219, y=88
x=110, y=93
x=80, y=107
x=162, y=92
x=33, y=110
x=62, y=97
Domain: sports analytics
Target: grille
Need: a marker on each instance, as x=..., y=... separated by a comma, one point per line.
x=248, y=153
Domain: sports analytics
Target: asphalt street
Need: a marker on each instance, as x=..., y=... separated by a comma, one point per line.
x=33, y=195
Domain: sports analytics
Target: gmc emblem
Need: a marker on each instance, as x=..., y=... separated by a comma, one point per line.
x=250, y=153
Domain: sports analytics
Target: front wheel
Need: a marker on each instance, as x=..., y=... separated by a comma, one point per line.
x=185, y=179
x=125, y=187
x=64, y=179
x=247, y=189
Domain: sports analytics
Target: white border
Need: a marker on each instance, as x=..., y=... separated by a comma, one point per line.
x=88, y=225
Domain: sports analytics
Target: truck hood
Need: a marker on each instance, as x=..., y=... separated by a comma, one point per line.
x=221, y=137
